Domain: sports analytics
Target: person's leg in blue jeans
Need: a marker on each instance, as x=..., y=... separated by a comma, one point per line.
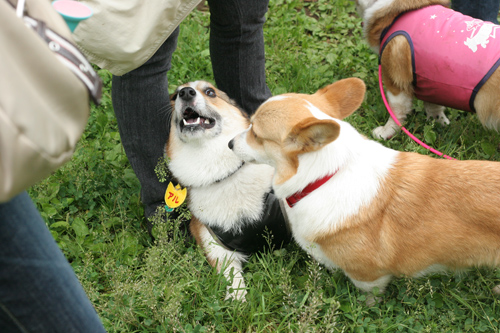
x=486, y=10
x=39, y=292
x=141, y=101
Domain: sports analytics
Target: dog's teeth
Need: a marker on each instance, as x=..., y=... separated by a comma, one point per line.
x=207, y=121
x=185, y=122
x=198, y=120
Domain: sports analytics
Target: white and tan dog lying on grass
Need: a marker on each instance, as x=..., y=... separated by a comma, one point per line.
x=436, y=54
x=372, y=211
x=234, y=213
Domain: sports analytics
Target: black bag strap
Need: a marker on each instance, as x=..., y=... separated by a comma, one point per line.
x=70, y=56
x=66, y=52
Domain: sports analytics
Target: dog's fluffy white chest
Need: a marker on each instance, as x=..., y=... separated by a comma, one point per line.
x=235, y=199
x=355, y=185
x=220, y=192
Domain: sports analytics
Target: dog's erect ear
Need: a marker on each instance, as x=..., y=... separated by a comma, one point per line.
x=344, y=97
x=311, y=134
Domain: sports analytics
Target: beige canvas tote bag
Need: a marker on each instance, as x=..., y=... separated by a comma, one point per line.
x=45, y=85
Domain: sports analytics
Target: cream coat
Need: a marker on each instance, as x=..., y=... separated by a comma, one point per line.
x=123, y=35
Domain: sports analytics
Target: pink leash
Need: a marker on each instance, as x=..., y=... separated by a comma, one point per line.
x=399, y=124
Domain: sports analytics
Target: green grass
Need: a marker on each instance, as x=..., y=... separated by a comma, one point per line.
x=93, y=209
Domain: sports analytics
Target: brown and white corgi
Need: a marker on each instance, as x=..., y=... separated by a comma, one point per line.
x=372, y=211
x=438, y=55
x=232, y=206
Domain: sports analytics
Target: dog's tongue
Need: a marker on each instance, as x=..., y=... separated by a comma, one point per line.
x=193, y=120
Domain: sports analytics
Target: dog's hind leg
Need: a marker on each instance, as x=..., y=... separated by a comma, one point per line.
x=401, y=106
x=436, y=112
x=226, y=261
x=487, y=103
x=397, y=76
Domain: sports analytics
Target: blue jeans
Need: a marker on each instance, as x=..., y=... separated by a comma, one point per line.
x=140, y=97
x=39, y=292
x=486, y=10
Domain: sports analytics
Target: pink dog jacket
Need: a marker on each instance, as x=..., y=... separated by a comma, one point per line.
x=453, y=55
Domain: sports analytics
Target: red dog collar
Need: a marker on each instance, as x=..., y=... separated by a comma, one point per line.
x=294, y=198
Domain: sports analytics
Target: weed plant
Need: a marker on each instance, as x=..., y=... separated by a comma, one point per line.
x=138, y=284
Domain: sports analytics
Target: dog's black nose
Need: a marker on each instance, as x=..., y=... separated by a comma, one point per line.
x=187, y=93
x=230, y=144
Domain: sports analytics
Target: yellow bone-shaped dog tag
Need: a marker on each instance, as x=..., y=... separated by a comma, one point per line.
x=174, y=196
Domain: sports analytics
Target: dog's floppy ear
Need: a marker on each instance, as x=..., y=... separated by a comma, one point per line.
x=311, y=134
x=344, y=97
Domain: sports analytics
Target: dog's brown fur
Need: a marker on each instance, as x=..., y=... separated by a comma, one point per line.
x=422, y=214
x=407, y=214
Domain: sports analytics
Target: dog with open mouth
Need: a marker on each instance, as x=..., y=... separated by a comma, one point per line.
x=438, y=55
x=369, y=210
x=234, y=211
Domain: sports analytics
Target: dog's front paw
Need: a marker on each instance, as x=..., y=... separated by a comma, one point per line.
x=496, y=290
x=444, y=121
x=436, y=112
x=440, y=119
x=237, y=294
x=384, y=132
x=372, y=300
